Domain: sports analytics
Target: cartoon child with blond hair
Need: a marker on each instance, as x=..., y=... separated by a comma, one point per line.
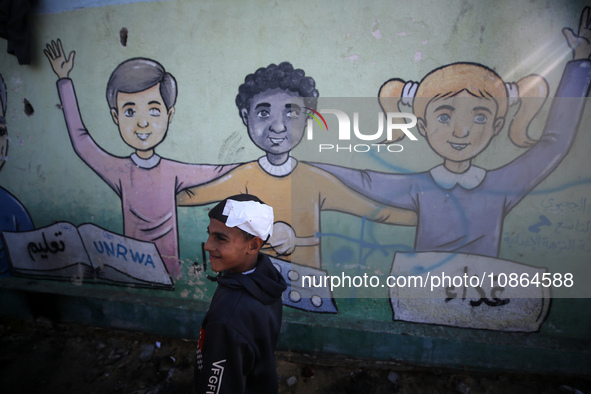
x=460, y=108
x=141, y=97
x=460, y=207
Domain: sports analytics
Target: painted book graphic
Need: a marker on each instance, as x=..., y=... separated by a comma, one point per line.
x=472, y=291
x=89, y=253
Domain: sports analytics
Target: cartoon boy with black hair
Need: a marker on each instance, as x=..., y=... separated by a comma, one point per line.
x=272, y=104
x=13, y=215
x=141, y=96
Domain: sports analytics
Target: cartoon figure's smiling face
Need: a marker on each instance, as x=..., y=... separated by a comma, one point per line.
x=458, y=128
x=276, y=120
x=142, y=118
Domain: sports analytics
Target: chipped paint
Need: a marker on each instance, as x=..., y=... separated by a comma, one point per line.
x=351, y=58
x=376, y=33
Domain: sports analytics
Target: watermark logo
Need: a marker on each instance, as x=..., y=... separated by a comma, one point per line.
x=394, y=121
x=313, y=115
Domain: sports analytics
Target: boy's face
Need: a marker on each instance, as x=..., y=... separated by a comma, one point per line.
x=276, y=120
x=142, y=118
x=228, y=248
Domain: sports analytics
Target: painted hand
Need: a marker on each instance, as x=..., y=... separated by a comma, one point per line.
x=283, y=239
x=581, y=42
x=60, y=64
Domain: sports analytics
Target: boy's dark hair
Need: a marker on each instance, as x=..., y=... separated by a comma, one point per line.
x=138, y=74
x=283, y=76
x=217, y=211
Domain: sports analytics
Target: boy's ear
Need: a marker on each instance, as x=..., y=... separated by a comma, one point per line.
x=422, y=126
x=244, y=116
x=255, y=244
x=170, y=113
x=115, y=116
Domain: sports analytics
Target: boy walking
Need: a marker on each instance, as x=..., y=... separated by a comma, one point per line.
x=236, y=352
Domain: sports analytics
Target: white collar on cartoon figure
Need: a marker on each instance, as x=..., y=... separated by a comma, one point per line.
x=448, y=180
x=280, y=170
x=145, y=163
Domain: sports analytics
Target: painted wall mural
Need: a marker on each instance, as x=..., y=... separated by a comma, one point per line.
x=460, y=108
x=493, y=190
x=86, y=254
x=273, y=104
x=141, y=95
x=13, y=215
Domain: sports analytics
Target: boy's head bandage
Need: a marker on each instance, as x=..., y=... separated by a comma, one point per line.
x=246, y=212
x=253, y=217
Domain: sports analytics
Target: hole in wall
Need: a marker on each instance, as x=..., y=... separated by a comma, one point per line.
x=29, y=110
x=123, y=36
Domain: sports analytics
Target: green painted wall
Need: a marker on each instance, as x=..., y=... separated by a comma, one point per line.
x=350, y=48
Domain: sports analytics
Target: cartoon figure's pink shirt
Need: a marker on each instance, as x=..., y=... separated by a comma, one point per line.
x=147, y=188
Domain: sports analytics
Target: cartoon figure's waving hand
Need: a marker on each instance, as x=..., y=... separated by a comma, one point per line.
x=57, y=57
x=581, y=42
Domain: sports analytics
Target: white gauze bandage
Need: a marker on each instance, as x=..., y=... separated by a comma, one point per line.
x=251, y=216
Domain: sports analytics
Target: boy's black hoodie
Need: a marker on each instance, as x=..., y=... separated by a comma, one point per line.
x=236, y=352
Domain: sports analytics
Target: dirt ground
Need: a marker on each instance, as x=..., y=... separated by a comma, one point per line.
x=43, y=357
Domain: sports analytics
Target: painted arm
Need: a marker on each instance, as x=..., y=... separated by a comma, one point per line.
x=564, y=118
x=335, y=196
x=220, y=188
x=84, y=146
x=236, y=182
x=389, y=189
x=330, y=194
x=193, y=175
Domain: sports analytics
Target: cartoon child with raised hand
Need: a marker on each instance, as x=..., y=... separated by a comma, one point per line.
x=141, y=96
x=459, y=108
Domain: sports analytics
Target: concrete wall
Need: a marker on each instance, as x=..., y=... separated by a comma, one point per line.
x=350, y=49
